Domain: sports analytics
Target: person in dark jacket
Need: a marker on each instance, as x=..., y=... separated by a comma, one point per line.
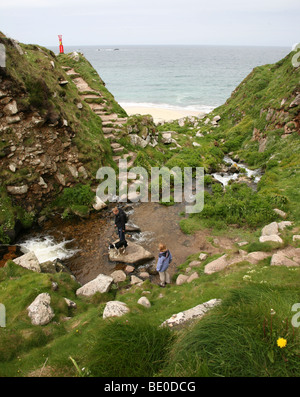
x=120, y=222
x=164, y=260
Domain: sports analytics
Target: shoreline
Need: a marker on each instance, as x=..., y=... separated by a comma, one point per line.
x=161, y=114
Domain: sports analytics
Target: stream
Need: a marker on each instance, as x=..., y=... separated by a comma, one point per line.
x=82, y=244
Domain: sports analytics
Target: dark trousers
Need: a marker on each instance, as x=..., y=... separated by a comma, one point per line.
x=121, y=234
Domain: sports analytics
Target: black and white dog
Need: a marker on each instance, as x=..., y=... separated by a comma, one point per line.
x=120, y=245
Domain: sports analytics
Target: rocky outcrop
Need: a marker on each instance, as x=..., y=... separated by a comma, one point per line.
x=194, y=313
x=40, y=311
x=29, y=261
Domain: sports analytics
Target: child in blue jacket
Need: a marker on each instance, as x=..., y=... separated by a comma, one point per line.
x=164, y=260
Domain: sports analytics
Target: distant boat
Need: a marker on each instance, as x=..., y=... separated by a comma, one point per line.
x=116, y=49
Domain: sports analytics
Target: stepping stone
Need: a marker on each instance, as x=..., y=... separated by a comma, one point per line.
x=135, y=254
x=115, y=145
x=117, y=150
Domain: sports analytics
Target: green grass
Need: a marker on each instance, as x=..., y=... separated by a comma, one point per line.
x=135, y=345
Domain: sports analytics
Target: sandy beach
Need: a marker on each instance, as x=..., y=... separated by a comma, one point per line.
x=161, y=114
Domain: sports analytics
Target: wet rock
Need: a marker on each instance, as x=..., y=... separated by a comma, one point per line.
x=115, y=309
x=29, y=261
x=194, y=313
x=100, y=284
x=40, y=311
x=134, y=254
x=99, y=204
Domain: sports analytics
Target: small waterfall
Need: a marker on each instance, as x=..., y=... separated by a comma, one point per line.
x=47, y=249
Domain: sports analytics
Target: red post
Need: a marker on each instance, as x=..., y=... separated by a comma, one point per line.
x=61, y=47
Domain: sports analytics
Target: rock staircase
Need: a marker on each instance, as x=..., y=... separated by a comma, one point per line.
x=112, y=124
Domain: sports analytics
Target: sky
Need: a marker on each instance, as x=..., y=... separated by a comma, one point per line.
x=152, y=22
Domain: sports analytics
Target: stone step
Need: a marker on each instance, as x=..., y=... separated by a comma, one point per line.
x=110, y=136
x=115, y=145
x=110, y=130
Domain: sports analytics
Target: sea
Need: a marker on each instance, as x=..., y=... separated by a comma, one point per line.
x=178, y=77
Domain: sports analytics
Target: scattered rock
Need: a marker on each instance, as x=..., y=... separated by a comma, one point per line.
x=40, y=311
x=118, y=276
x=270, y=229
x=296, y=237
x=23, y=189
x=191, y=314
x=295, y=102
x=129, y=269
x=216, y=265
x=279, y=259
x=100, y=284
x=99, y=204
x=273, y=237
x=280, y=212
x=144, y=302
x=282, y=225
x=115, y=309
x=11, y=108
x=70, y=303
x=29, y=261
x=192, y=277
x=203, y=257
x=181, y=279
x=135, y=280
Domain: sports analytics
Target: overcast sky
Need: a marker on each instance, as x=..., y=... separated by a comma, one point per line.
x=105, y=22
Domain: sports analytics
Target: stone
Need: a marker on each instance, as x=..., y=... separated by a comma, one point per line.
x=11, y=108
x=279, y=259
x=12, y=167
x=296, y=237
x=144, y=275
x=40, y=311
x=135, y=280
x=83, y=171
x=29, y=261
x=216, y=118
x=282, y=225
x=134, y=254
x=129, y=269
x=54, y=286
x=118, y=276
x=255, y=257
x=48, y=267
x=192, y=277
x=144, y=302
x=280, y=212
x=242, y=243
x=138, y=141
x=203, y=256
x=270, y=229
x=98, y=204
x=196, y=144
x=73, y=171
x=181, y=279
x=16, y=190
x=100, y=284
x=216, y=265
x=194, y=263
x=295, y=102
x=194, y=313
x=115, y=309
x=60, y=178
x=275, y=238
x=70, y=303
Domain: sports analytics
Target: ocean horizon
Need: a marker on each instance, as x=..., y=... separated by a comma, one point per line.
x=175, y=77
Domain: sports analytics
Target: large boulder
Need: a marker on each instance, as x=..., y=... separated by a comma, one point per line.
x=100, y=284
x=29, y=261
x=280, y=259
x=191, y=314
x=115, y=309
x=134, y=254
x=274, y=237
x=40, y=311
